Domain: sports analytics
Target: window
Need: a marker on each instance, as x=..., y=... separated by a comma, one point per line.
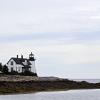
x=12, y=69
x=12, y=63
x=19, y=69
x=16, y=68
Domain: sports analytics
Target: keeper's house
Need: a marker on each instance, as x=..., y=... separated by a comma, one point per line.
x=22, y=64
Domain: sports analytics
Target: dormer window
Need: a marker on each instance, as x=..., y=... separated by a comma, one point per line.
x=12, y=63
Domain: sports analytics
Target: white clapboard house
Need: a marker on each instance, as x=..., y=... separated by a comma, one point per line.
x=22, y=64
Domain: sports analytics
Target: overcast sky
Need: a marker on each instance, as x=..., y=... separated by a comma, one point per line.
x=64, y=35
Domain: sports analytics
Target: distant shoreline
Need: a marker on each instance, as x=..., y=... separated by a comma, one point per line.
x=88, y=80
x=15, y=84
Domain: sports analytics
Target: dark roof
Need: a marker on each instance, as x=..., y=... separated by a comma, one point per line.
x=20, y=61
x=26, y=66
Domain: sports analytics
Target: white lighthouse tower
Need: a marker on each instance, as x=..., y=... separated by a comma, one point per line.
x=32, y=61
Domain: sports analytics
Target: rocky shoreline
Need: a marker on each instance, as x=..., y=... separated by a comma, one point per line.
x=25, y=84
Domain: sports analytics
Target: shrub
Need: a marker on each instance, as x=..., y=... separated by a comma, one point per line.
x=5, y=69
x=28, y=73
x=1, y=67
x=13, y=73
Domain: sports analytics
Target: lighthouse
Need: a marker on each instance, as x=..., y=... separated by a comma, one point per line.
x=32, y=61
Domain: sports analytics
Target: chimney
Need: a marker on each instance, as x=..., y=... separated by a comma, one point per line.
x=17, y=56
x=22, y=56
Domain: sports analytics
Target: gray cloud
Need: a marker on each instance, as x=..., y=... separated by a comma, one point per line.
x=29, y=16
x=60, y=37
x=54, y=29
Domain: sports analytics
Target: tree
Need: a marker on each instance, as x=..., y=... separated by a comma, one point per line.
x=0, y=66
x=5, y=69
x=28, y=73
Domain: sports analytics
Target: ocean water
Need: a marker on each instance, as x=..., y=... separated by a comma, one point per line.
x=88, y=80
x=62, y=95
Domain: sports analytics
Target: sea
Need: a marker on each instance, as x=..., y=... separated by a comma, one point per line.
x=87, y=80
x=89, y=94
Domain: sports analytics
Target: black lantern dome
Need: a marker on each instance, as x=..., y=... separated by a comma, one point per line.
x=31, y=57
